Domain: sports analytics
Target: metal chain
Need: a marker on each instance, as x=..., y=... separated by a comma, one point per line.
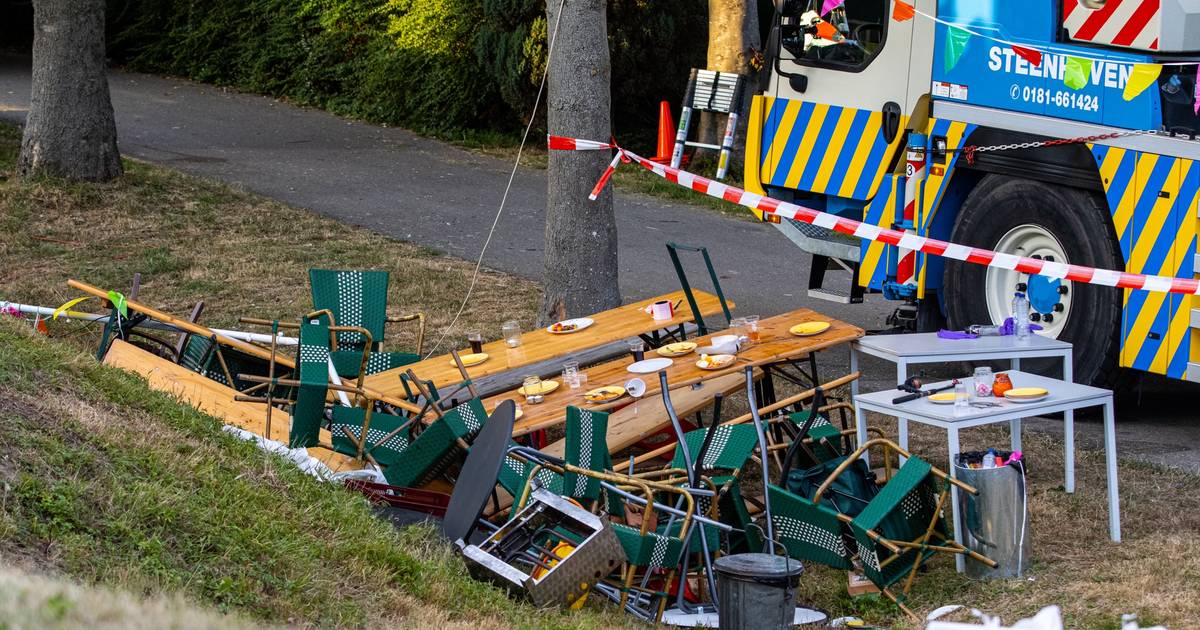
x=969, y=151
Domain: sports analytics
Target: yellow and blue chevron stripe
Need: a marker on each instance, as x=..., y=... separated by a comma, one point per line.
x=826, y=149
x=1153, y=201
x=888, y=204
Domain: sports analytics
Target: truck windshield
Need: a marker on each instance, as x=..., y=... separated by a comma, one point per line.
x=848, y=36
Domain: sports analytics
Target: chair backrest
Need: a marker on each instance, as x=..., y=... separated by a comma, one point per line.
x=436, y=448
x=356, y=298
x=903, y=510
x=586, y=446
x=308, y=412
x=346, y=429
x=731, y=446
x=673, y=250
x=808, y=531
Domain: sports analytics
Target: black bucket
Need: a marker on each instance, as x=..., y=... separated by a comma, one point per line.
x=757, y=591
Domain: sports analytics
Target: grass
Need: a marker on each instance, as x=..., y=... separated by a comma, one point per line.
x=110, y=484
x=35, y=601
x=242, y=254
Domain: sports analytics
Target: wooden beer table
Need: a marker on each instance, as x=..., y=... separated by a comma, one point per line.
x=538, y=345
x=776, y=346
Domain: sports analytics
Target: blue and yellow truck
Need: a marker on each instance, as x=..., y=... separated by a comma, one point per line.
x=1056, y=129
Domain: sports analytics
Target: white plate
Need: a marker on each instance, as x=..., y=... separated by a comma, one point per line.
x=938, y=399
x=1020, y=400
x=649, y=366
x=579, y=322
x=721, y=340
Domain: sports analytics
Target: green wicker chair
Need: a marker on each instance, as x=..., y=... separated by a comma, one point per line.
x=222, y=365
x=359, y=298
x=899, y=529
x=387, y=438
x=312, y=364
x=727, y=454
x=438, y=446
x=586, y=446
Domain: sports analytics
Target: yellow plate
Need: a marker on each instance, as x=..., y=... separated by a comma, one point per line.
x=546, y=388
x=1026, y=392
x=469, y=360
x=942, y=398
x=809, y=328
x=604, y=394
x=676, y=349
x=715, y=361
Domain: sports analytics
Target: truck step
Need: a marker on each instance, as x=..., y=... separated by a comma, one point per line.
x=1193, y=373
x=1194, y=320
x=830, y=296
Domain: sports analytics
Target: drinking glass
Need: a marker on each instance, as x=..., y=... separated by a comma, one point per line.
x=737, y=326
x=638, y=349
x=476, y=341
x=962, y=398
x=570, y=374
x=532, y=386
x=511, y=330
x=752, y=328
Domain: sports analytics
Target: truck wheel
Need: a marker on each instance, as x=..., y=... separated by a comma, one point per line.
x=1035, y=219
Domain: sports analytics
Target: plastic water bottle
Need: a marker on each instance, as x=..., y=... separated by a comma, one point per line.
x=989, y=459
x=1020, y=310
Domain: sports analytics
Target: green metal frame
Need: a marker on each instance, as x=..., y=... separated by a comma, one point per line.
x=673, y=249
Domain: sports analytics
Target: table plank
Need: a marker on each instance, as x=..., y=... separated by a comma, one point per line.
x=538, y=345
x=215, y=399
x=776, y=345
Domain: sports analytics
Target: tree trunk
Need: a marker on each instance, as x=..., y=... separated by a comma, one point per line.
x=581, y=235
x=70, y=131
x=733, y=41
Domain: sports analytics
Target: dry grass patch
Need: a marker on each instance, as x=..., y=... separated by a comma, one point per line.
x=244, y=255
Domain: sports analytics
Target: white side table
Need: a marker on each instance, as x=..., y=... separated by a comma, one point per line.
x=905, y=350
x=1063, y=396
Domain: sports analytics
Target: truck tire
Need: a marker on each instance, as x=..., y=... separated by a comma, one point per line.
x=1031, y=218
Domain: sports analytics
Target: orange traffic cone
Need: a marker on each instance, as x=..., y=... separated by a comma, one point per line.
x=666, y=134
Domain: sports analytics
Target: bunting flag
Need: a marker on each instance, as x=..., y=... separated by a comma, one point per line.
x=1033, y=56
x=118, y=302
x=1196, y=94
x=830, y=5
x=1141, y=77
x=1077, y=73
x=903, y=11
x=66, y=307
x=956, y=43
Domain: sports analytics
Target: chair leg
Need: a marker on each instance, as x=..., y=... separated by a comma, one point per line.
x=904, y=608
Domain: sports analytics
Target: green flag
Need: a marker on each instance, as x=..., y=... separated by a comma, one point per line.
x=1077, y=72
x=956, y=43
x=118, y=302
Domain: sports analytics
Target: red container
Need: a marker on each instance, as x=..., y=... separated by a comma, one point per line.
x=415, y=499
x=1001, y=385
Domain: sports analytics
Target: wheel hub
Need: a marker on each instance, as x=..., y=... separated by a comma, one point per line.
x=1049, y=298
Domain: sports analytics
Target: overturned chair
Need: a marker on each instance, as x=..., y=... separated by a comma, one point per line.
x=893, y=534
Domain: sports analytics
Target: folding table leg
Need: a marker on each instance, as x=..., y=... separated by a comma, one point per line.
x=1110, y=458
x=1014, y=429
x=860, y=427
x=901, y=423
x=1069, y=427
x=960, y=563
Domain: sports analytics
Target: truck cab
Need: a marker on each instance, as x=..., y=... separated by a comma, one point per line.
x=1060, y=130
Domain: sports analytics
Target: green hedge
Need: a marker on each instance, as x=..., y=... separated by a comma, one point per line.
x=432, y=65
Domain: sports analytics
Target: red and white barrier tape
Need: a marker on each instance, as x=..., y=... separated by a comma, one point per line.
x=974, y=255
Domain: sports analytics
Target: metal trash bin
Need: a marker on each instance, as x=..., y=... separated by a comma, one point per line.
x=756, y=591
x=996, y=521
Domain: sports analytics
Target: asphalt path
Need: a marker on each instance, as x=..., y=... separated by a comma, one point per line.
x=421, y=190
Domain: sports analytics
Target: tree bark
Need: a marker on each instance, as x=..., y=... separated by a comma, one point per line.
x=580, y=274
x=70, y=131
x=733, y=41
